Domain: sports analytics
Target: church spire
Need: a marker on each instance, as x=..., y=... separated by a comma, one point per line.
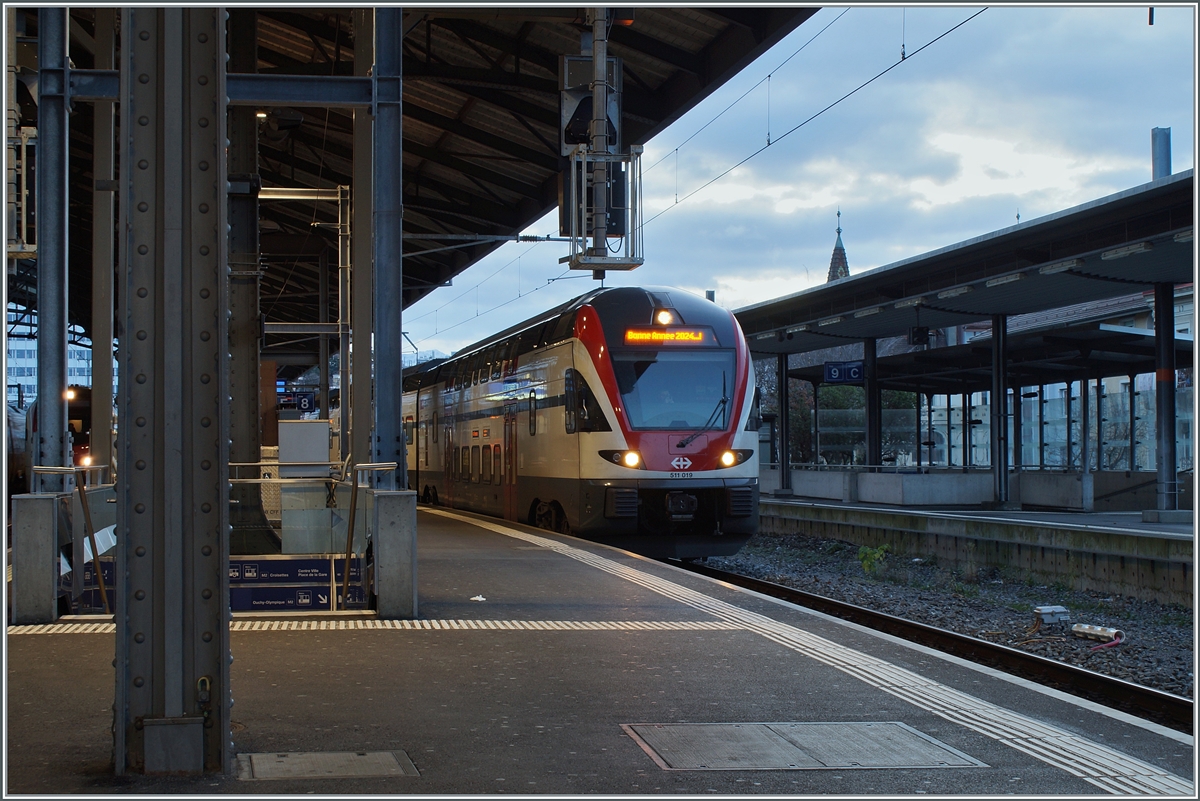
x=838, y=266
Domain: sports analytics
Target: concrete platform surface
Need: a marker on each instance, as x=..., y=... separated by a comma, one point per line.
x=547, y=665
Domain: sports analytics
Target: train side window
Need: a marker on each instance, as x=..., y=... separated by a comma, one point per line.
x=408, y=430
x=532, y=412
x=496, y=370
x=466, y=463
x=587, y=408
x=434, y=423
x=497, y=469
x=475, y=463
x=570, y=400
x=485, y=465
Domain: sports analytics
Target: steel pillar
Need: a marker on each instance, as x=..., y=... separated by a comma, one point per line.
x=1018, y=429
x=102, y=251
x=245, y=424
x=968, y=433
x=600, y=131
x=950, y=430
x=1099, y=424
x=355, y=392
x=53, y=444
x=1041, y=426
x=999, y=437
x=388, y=239
x=1132, y=424
x=874, y=411
x=1164, y=395
x=172, y=586
x=323, y=342
x=816, y=423
x=1085, y=434
x=785, y=427
x=1070, y=439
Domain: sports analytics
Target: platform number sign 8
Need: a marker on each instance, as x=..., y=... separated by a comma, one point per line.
x=306, y=401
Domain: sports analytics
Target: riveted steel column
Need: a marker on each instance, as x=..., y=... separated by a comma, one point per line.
x=388, y=213
x=245, y=425
x=323, y=346
x=53, y=446
x=1018, y=432
x=1132, y=424
x=1164, y=395
x=102, y=252
x=874, y=411
x=999, y=408
x=356, y=418
x=785, y=427
x=172, y=592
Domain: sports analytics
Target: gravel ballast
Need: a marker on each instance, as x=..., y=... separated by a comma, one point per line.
x=994, y=605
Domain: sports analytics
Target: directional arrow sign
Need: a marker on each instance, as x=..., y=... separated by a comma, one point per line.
x=681, y=463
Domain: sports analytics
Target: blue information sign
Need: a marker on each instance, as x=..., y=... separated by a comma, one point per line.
x=843, y=372
x=276, y=570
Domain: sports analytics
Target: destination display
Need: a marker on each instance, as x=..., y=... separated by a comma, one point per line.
x=669, y=336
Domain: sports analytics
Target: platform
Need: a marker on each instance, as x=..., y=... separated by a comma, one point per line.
x=546, y=665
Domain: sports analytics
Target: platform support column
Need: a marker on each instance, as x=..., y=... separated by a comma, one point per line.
x=356, y=401
x=816, y=423
x=967, y=433
x=172, y=590
x=874, y=412
x=388, y=213
x=1099, y=424
x=53, y=444
x=102, y=251
x=785, y=447
x=323, y=342
x=1132, y=423
x=245, y=428
x=1164, y=395
x=999, y=404
x=1085, y=434
x=949, y=430
x=1018, y=433
x=1041, y=418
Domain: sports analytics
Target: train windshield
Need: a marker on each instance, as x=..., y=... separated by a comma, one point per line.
x=675, y=389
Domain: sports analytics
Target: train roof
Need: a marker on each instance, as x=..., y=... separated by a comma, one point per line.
x=611, y=302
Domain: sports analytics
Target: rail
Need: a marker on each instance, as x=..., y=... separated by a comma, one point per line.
x=1145, y=702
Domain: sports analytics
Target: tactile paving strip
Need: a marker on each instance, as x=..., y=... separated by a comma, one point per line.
x=415, y=625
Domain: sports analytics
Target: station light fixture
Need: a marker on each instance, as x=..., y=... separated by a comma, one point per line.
x=1128, y=250
x=830, y=320
x=866, y=312
x=1004, y=279
x=1185, y=235
x=907, y=302
x=797, y=329
x=767, y=335
x=953, y=293
x=1061, y=266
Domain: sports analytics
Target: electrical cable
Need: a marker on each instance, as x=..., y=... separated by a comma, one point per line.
x=783, y=136
x=743, y=95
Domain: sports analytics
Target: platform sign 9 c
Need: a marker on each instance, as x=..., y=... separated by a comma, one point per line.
x=668, y=336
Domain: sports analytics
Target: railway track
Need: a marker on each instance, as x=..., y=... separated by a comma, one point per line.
x=1164, y=708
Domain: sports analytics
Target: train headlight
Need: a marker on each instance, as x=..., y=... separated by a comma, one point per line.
x=664, y=317
x=730, y=458
x=86, y=461
x=631, y=459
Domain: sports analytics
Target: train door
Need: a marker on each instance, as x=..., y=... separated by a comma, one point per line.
x=509, y=479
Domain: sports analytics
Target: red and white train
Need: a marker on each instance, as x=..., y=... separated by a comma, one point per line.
x=624, y=416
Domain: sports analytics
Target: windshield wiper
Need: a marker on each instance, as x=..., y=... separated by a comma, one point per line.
x=712, y=418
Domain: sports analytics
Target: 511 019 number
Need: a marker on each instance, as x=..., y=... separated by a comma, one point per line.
x=681, y=475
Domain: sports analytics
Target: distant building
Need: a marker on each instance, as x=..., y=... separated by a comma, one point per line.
x=21, y=359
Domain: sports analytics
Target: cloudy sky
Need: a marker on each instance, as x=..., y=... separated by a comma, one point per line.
x=1019, y=110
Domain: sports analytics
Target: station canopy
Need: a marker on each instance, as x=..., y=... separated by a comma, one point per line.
x=481, y=127
x=1103, y=249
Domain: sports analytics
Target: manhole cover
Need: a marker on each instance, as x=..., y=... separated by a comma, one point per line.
x=319, y=765
x=793, y=746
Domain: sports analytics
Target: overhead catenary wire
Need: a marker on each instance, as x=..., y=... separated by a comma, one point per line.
x=797, y=127
x=742, y=97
